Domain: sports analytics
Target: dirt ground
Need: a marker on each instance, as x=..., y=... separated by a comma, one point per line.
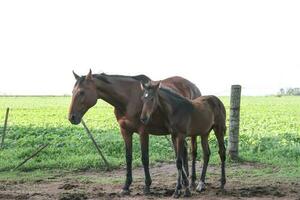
x=107, y=185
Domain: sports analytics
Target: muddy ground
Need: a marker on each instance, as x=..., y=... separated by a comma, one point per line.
x=107, y=185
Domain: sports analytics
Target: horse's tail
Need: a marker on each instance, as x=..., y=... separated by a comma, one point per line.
x=221, y=113
x=223, y=110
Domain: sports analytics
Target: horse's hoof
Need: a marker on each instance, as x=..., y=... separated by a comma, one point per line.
x=146, y=190
x=223, y=182
x=176, y=194
x=187, y=193
x=222, y=187
x=125, y=192
x=200, y=187
x=193, y=185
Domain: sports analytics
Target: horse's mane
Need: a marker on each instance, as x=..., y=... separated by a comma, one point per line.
x=179, y=104
x=141, y=77
x=175, y=96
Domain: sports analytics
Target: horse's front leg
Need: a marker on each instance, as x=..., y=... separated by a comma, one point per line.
x=182, y=175
x=144, y=140
x=185, y=154
x=127, y=136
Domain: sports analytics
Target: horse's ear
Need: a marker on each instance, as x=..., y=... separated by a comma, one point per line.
x=157, y=85
x=89, y=75
x=75, y=75
x=144, y=85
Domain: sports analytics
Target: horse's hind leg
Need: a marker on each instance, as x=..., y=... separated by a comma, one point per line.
x=185, y=173
x=186, y=158
x=194, y=156
x=220, y=132
x=206, y=154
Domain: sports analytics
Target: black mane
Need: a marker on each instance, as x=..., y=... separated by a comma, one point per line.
x=142, y=77
x=173, y=94
x=179, y=101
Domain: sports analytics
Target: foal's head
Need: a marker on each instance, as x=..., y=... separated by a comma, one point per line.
x=150, y=100
x=84, y=97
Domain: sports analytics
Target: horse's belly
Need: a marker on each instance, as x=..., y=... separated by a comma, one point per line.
x=157, y=132
x=200, y=129
x=133, y=126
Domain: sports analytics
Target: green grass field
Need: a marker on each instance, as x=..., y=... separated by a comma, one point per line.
x=269, y=133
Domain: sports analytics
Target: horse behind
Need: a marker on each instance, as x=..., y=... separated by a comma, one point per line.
x=188, y=118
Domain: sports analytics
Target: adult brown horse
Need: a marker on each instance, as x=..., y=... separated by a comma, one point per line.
x=124, y=93
x=188, y=118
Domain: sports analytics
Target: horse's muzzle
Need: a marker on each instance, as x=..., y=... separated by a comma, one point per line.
x=74, y=119
x=144, y=120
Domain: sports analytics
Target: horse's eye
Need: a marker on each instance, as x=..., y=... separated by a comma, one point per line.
x=81, y=93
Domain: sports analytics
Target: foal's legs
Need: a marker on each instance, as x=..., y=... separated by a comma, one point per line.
x=185, y=154
x=144, y=141
x=206, y=154
x=186, y=158
x=220, y=132
x=181, y=176
x=127, y=136
x=194, y=156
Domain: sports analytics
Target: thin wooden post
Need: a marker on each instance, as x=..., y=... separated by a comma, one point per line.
x=96, y=145
x=235, y=100
x=4, y=128
x=34, y=154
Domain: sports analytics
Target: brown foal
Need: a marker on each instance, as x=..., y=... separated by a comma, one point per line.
x=184, y=118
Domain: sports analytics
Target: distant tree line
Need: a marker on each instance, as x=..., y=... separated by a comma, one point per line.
x=289, y=92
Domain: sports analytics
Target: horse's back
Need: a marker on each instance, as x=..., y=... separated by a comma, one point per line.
x=215, y=105
x=182, y=86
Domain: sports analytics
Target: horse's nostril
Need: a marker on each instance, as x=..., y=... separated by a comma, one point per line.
x=143, y=120
x=72, y=118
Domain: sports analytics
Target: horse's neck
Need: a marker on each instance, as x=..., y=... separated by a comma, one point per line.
x=117, y=92
x=172, y=107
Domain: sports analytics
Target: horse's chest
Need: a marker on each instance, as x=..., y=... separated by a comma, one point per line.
x=126, y=123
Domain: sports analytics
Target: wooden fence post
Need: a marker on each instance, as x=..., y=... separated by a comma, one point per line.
x=234, y=124
x=4, y=128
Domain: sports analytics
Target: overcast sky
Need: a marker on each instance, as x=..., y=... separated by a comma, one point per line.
x=212, y=43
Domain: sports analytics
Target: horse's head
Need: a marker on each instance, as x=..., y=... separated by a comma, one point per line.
x=150, y=100
x=84, y=97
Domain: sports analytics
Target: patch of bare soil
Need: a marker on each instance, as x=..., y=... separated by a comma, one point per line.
x=107, y=185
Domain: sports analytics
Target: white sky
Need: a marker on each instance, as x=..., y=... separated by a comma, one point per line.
x=212, y=43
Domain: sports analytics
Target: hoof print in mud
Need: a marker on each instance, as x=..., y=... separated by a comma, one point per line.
x=73, y=196
x=67, y=186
